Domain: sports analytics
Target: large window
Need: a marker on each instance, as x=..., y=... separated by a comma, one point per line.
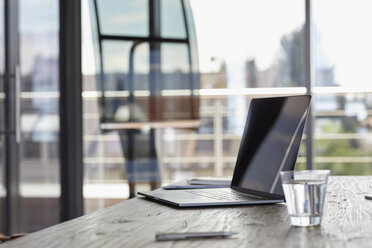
x=246, y=49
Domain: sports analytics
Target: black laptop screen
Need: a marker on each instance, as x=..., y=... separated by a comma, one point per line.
x=270, y=142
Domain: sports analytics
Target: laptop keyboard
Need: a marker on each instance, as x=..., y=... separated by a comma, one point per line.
x=222, y=194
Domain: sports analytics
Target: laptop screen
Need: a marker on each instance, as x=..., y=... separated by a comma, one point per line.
x=270, y=142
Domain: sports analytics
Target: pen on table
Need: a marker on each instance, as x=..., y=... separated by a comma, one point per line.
x=192, y=235
x=368, y=197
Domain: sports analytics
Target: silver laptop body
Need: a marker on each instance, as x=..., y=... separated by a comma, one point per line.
x=270, y=143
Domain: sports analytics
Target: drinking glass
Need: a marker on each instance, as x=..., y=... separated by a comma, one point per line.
x=304, y=193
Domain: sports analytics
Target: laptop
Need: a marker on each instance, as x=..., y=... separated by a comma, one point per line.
x=270, y=143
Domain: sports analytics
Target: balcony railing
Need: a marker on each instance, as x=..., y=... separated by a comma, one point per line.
x=216, y=111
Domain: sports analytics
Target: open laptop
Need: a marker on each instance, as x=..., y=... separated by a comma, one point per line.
x=270, y=144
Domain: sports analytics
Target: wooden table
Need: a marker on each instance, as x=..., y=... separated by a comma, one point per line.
x=347, y=222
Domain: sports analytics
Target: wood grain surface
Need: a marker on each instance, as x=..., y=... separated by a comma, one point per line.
x=347, y=222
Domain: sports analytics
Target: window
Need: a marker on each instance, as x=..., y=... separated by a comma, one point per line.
x=342, y=54
x=124, y=17
x=245, y=49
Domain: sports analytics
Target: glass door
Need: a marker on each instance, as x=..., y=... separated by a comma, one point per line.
x=29, y=115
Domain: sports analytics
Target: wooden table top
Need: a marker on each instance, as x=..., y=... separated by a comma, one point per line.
x=347, y=222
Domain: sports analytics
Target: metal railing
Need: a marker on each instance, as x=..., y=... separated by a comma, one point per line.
x=217, y=112
x=213, y=108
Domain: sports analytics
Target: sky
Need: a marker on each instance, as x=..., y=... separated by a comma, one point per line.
x=238, y=30
x=236, y=33
x=243, y=29
x=345, y=36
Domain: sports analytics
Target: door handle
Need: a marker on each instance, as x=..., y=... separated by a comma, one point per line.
x=17, y=103
x=17, y=99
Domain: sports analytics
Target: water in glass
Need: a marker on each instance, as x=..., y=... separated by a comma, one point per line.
x=305, y=201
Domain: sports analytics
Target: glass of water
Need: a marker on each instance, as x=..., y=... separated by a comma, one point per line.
x=304, y=193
